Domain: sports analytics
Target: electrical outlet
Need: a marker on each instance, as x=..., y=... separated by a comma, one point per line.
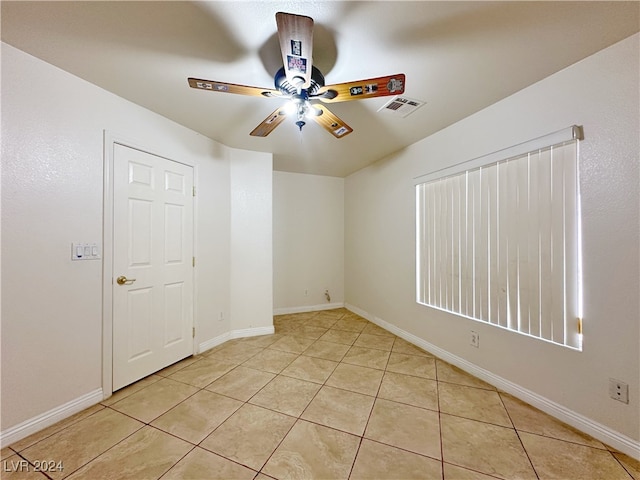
x=475, y=339
x=618, y=390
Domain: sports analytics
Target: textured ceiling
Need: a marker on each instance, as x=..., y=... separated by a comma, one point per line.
x=459, y=57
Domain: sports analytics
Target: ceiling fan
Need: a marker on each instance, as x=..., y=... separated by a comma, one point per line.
x=301, y=83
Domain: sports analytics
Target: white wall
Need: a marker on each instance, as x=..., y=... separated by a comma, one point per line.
x=52, y=195
x=308, y=241
x=602, y=94
x=251, y=240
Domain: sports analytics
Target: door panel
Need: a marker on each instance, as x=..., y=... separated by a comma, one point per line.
x=153, y=248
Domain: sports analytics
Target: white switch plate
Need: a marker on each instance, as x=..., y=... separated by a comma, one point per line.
x=85, y=251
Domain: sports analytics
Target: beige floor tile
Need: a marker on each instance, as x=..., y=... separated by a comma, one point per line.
x=340, y=336
x=415, y=365
x=473, y=403
x=261, y=341
x=154, y=400
x=404, y=426
x=6, y=452
x=17, y=468
x=292, y=343
x=286, y=395
x=236, y=353
x=375, y=460
x=529, y=419
x=200, y=464
x=82, y=441
x=322, y=322
x=451, y=374
x=367, y=357
x=249, y=436
x=349, y=315
x=217, y=348
x=202, y=373
x=356, y=379
x=56, y=427
x=196, y=417
x=350, y=325
x=241, y=383
x=313, y=451
x=272, y=361
x=327, y=350
x=402, y=346
x=285, y=329
x=148, y=453
x=557, y=459
x=304, y=316
x=165, y=372
x=287, y=317
x=485, y=448
x=453, y=472
x=378, y=342
x=416, y=391
x=631, y=465
x=288, y=322
x=373, y=329
x=340, y=409
x=335, y=313
x=309, y=368
x=310, y=331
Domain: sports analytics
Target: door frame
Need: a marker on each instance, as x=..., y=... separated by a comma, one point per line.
x=109, y=141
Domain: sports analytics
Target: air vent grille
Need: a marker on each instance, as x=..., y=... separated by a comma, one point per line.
x=401, y=106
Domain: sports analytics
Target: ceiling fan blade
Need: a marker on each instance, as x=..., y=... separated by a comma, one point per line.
x=361, y=89
x=232, y=88
x=269, y=124
x=295, y=33
x=330, y=122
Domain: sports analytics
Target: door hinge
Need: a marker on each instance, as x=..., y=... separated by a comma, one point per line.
x=193, y=190
x=579, y=326
x=193, y=261
x=193, y=332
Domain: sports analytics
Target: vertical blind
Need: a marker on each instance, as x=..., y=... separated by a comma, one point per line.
x=500, y=244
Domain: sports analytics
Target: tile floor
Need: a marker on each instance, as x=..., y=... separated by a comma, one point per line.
x=328, y=396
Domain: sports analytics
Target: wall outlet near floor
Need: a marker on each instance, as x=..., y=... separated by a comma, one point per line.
x=475, y=339
x=618, y=390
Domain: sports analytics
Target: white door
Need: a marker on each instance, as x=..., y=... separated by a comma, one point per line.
x=152, y=264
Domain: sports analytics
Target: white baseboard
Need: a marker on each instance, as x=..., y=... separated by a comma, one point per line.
x=214, y=342
x=601, y=432
x=44, y=420
x=253, y=332
x=246, y=332
x=307, y=308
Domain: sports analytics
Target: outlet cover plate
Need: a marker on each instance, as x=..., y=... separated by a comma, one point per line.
x=618, y=390
x=475, y=339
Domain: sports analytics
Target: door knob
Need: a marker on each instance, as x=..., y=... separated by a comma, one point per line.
x=122, y=280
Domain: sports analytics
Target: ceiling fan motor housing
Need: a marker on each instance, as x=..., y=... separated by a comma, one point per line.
x=287, y=88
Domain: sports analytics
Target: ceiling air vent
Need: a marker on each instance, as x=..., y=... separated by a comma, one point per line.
x=401, y=106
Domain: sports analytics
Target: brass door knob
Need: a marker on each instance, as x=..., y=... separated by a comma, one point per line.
x=122, y=280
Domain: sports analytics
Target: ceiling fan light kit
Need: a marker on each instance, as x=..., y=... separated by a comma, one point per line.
x=303, y=85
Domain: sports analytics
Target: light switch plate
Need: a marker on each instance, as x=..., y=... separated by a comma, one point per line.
x=85, y=251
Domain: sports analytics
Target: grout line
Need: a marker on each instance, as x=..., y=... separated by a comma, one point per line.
x=439, y=421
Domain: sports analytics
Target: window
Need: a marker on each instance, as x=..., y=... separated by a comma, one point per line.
x=499, y=243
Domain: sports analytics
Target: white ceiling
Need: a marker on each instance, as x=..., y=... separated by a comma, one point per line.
x=458, y=57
